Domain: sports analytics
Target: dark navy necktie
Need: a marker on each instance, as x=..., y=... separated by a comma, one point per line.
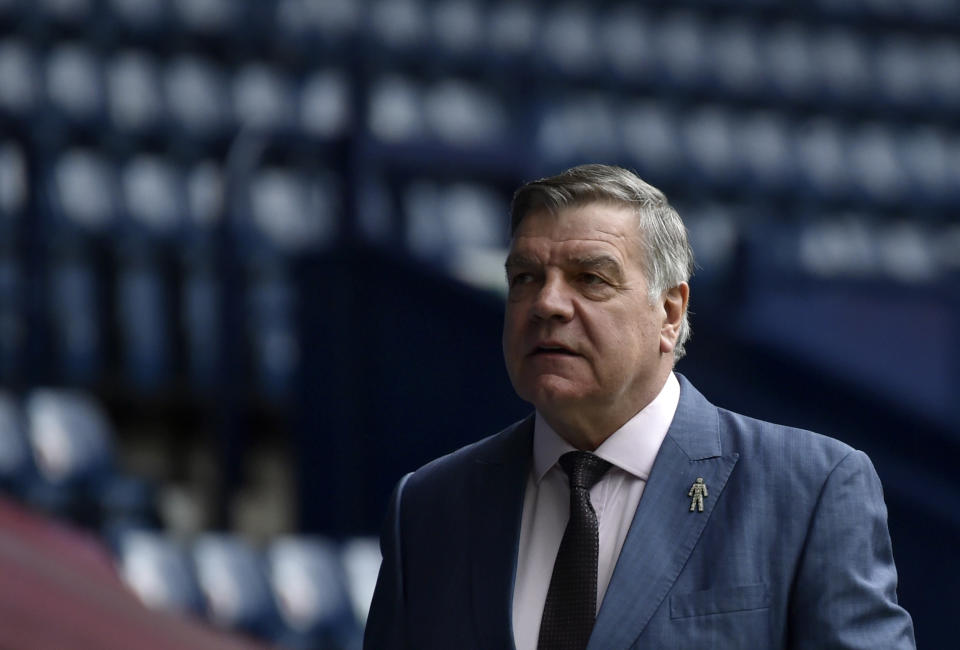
x=571, y=606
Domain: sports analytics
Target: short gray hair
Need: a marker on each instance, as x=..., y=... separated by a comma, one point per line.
x=668, y=258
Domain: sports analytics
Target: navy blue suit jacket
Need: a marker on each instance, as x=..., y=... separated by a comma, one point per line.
x=791, y=550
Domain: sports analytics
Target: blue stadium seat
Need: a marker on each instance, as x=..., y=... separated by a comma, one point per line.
x=395, y=111
x=715, y=232
x=290, y=211
x=140, y=15
x=875, y=164
x=263, y=98
x=568, y=39
x=576, y=129
x=154, y=197
x=929, y=163
x=232, y=577
x=17, y=468
x=512, y=29
x=204, y=204
x=69, y=435
x=325, y=104
x=308, y=23
x=200, y=319
x=789, y=63
x=464, y=114
x=398, y=24
x=76, y=320
x=457, y=26
x=134, y=96
x=143, y=313
x=12, y=316
x=942, y=70
x=376, y=222
x=900, y=72
x=19, y=78
x=75, y=82
x=307, y=578
x=125, y=500
x=14, y=186
x=765, y=145
x=159, y=570
x=361, y=564
x=649, y=138
x=822, y=158
x=71, y=441
x=83, y=192
x=443, y=221
x=424, y=236
x=709, y=143
x=65, y=12
x=681, y=49
x=931, y=11
x=474, y=216
x=625, y=36
x=843, y=65
x=735, y=59
x=195, y=95
x=207, y=16
x=271, y=313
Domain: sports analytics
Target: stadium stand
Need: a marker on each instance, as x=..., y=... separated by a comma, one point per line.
x=226, y=226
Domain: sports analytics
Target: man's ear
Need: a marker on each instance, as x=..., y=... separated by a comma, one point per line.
x=675, y=302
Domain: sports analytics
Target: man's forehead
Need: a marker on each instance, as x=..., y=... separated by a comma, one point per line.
x=589, y=252
x=593, y=221
x=574, y=243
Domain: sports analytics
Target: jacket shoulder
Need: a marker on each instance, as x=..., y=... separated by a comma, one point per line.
x=504, y=446
x=759, y=437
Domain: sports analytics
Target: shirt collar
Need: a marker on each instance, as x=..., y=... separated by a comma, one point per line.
x=633, y=447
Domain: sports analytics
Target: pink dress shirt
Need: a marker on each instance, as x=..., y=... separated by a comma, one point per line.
x=631, y=450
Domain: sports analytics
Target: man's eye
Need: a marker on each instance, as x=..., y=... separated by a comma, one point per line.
x=592, y=278
x=520, y=278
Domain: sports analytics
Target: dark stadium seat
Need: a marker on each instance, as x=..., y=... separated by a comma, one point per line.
x=12, y=315
x=73, y=298
x=143, y=316
x=232, y=576
x=159, y=570
x=16, y=459
x=308, y=582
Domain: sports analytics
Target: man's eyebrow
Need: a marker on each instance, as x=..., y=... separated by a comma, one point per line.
x=600, y=262
x=519, y=259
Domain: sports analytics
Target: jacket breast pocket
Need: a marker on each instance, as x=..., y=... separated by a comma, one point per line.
x=720, y=601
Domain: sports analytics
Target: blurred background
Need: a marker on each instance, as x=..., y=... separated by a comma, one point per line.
x=251, y=259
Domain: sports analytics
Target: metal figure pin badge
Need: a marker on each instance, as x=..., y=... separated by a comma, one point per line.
x=697, y=492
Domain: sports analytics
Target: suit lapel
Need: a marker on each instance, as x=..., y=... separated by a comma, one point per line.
x=664, y=532
x=499, y=484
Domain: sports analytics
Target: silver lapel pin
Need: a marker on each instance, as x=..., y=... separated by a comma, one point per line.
x=697, y=492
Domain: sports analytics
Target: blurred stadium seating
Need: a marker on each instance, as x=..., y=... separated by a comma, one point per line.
x=228, y=226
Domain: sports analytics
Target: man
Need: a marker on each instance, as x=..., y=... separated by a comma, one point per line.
x=628, y=512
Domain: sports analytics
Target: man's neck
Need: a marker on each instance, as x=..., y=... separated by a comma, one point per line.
x=587, y=429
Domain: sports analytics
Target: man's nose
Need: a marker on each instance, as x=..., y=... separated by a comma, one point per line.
x=553, y=301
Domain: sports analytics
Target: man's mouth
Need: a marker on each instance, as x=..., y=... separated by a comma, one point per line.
x=553, y=349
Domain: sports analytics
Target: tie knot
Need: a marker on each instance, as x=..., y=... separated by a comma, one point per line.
x=583, y=468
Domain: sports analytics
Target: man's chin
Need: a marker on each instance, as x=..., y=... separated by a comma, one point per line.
x=555, y=393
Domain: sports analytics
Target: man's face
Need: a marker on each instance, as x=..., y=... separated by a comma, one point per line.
x=581, y=339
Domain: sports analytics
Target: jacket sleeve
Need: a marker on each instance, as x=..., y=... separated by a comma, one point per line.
x=385, y=622
x=845, y=593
